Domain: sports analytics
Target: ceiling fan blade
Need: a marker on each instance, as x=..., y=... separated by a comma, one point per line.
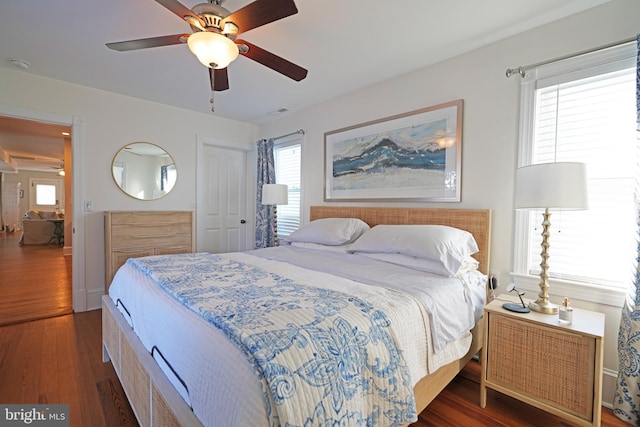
x=259, y=13
x=273, y=61
x=182, y=11
x=219, y=79
x=150, y=42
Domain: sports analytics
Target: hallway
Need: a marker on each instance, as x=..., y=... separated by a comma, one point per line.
x=35, y=281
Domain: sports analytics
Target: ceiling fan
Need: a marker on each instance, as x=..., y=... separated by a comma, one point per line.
x=59, y=169
x=214, y=41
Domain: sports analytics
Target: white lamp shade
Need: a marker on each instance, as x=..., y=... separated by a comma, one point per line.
x=561, y=185
x=275, y=194
x=212, y=48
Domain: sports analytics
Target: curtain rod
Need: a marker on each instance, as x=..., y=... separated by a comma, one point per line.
x=289, y=134
x=523, y=70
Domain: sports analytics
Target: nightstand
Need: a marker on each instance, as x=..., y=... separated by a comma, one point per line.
x=552, y=366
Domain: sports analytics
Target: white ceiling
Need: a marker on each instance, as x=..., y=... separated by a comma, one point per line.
x=345, y=46
x=31, y=145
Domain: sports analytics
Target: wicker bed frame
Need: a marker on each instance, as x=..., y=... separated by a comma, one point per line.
x=157, y=403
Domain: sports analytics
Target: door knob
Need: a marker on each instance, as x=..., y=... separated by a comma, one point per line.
x=242, y=221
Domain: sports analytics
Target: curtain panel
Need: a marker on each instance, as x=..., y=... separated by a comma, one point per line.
x=265, y=231
x=626, y=402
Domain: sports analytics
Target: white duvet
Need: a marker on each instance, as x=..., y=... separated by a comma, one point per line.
x=218, y=382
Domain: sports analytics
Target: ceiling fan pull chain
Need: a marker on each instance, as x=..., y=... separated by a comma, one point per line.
x=213, y=66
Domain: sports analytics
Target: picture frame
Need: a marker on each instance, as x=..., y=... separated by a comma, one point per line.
x=414, y=156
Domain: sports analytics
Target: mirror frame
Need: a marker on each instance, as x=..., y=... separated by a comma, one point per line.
x=153, y=183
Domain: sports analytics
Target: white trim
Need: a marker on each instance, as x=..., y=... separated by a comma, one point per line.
x=29, y=114
x=223, y=143
x=78, y=231
x=288, y=140
x=609, y=381
x=77, y=138
x=576, y=64
x=598, y=294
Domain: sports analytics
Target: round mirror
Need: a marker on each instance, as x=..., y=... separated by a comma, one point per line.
x=144, y=171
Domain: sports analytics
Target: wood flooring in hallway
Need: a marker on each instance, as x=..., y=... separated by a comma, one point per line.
x=35, y=281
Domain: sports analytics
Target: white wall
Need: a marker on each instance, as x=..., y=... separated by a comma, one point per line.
x=490, y=126
x=107, y=122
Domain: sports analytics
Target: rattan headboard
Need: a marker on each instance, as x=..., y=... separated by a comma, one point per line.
x=475, y=221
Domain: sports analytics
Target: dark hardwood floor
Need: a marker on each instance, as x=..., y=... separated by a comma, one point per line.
x=459, y=405
x=59, y=360
x=35, y=280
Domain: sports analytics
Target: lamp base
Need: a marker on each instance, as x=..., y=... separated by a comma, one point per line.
x=544, y=307
x=518, y=308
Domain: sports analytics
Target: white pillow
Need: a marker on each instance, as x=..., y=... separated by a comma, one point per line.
x=320, y=247
x=423, y=264
x=330, y=231
x=448, y=245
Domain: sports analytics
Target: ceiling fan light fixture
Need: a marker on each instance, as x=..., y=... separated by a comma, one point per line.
x=230, y=28
x=212, y=48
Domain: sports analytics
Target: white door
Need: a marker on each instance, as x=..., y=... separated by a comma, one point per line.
x=221, y=225
x=11, y=205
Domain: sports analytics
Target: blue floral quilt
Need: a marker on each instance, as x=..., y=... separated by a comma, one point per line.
x=325, y=358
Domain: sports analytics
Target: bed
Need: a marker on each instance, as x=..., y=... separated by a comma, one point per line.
x=159, y=398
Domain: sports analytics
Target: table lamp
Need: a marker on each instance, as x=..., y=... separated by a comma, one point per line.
x=562, y=186
x=275, y=194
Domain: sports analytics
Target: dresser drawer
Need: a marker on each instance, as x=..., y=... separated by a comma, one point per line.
x=152, y=218
x=118, y=258
x=131, y=234
x=126, y=236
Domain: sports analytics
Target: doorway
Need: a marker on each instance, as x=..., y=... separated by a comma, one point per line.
x=39, y=280
x=222, y=198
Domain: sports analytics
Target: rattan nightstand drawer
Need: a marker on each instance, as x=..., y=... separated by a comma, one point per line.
x=555, y=367
x=544, y=363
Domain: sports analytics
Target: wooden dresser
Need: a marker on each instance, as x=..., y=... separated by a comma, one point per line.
x=132, y=234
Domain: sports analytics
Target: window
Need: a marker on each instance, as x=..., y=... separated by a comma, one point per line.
x=120, y=174
x=168, y=177
x=287, y=164
x=583, y=110
x=46, y=194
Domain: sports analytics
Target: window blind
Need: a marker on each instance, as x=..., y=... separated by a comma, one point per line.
x=590, y=120
x=287, y=164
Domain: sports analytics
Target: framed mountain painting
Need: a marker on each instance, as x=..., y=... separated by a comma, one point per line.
x=413, y=156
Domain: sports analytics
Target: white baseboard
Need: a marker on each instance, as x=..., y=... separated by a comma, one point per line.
x=94, y=299
x=79, y=300
x=87, y=300
x=609, y=383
